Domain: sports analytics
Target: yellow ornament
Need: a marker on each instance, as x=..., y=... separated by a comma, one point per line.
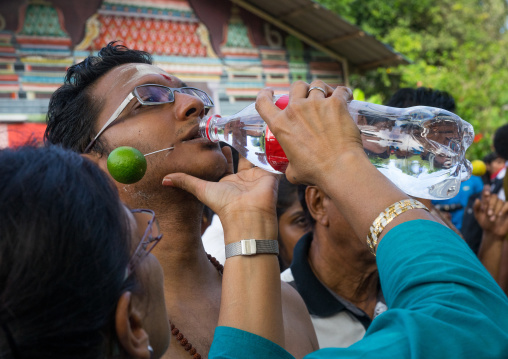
x=479, y=168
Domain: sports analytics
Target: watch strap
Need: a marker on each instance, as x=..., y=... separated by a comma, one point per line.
x=249, y=247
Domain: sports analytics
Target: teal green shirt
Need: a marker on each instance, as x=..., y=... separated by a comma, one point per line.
x=442, y=304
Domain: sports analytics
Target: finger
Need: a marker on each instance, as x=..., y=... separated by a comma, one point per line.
x=316, y=92
x=504, y=210
x=491, y=205
x=485, y=199
x=244, y=164
x=343, y=93
x=188, y=183
x=298, y=90
x=318, y=89
x=228, y=153
x=498, y=205
x=291, y=176
x=477, y=206
x=265, y=106
x=477, y=210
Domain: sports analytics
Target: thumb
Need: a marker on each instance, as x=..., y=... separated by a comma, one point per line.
x=476, y=205
x=188, y=183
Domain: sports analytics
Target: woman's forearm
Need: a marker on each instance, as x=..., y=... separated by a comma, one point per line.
x=251, y=288
x=251, y=296
x=361, y=207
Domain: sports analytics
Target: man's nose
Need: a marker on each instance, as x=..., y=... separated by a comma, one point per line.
x=188, y=106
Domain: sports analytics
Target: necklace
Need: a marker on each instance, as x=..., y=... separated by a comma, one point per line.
x=178, y=334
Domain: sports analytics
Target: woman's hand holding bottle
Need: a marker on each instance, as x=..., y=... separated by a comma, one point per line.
x=317, y=118
x=324, y=148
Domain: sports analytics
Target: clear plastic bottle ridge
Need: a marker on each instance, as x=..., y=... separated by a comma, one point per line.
x=421, y=149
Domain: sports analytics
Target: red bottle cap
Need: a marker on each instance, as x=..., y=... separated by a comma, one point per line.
x=207, y=128
x=274, y=153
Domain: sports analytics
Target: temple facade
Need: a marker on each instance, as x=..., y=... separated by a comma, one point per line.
x=213, y=45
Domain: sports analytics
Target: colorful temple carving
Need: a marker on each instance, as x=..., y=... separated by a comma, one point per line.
x=215, y=46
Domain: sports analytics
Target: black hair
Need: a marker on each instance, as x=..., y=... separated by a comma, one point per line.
x=287, y=195
x=64, y=249
x=490, y=157
x=422, y=96
x=501, y=141
x=72, y=111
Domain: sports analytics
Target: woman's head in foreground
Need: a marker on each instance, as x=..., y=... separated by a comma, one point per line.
x=65, y=244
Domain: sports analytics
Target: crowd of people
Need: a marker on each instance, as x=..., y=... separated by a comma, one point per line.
x=334, y=261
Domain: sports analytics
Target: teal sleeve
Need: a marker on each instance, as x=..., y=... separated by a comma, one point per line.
x=442, y=302
x=232, y=343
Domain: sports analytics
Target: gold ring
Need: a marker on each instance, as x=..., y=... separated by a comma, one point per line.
x=317, y=88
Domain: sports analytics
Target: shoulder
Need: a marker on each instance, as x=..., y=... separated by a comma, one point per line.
x=292, y=302
x=291, y=297
x=300, y=334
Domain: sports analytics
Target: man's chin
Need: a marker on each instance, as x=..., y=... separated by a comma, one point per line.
x=212, y=170
x=220, y=171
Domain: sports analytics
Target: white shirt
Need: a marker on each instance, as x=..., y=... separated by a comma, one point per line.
x=213, y=240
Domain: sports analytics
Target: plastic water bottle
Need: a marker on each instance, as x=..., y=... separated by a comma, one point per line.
x=421, y=149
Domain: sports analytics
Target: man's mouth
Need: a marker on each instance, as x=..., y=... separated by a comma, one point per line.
x=193, y=134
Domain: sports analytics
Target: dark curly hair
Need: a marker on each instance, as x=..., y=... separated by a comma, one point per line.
x=72, y=112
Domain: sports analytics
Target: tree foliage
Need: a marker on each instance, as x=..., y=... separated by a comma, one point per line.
x=458, y=46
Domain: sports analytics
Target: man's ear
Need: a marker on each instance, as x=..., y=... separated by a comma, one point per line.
x=315, y=203
x=129, y=329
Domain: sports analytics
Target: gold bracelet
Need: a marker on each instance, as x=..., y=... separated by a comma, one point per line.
x=387, y=216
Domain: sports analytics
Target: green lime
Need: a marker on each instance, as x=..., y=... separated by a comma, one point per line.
x=126, y=164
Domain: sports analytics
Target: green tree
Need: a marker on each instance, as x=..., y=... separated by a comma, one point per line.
x=458, y=46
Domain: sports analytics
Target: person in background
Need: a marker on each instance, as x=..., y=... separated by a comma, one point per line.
x=501, y=148
x=335, y=273
x=495, y=164
x=456, y=206
x=492, y=216
x=293, y=223
x=442, y=301
x=473, y=232
x=76, y=277
x=422, y=96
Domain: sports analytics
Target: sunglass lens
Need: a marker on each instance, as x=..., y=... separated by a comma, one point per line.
x=199, y=94
x=155, y=94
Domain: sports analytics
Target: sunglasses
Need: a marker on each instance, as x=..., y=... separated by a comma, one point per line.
x=151, y=95
x=149, y=239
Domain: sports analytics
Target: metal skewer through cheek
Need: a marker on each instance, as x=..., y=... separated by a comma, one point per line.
x=164, y=149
